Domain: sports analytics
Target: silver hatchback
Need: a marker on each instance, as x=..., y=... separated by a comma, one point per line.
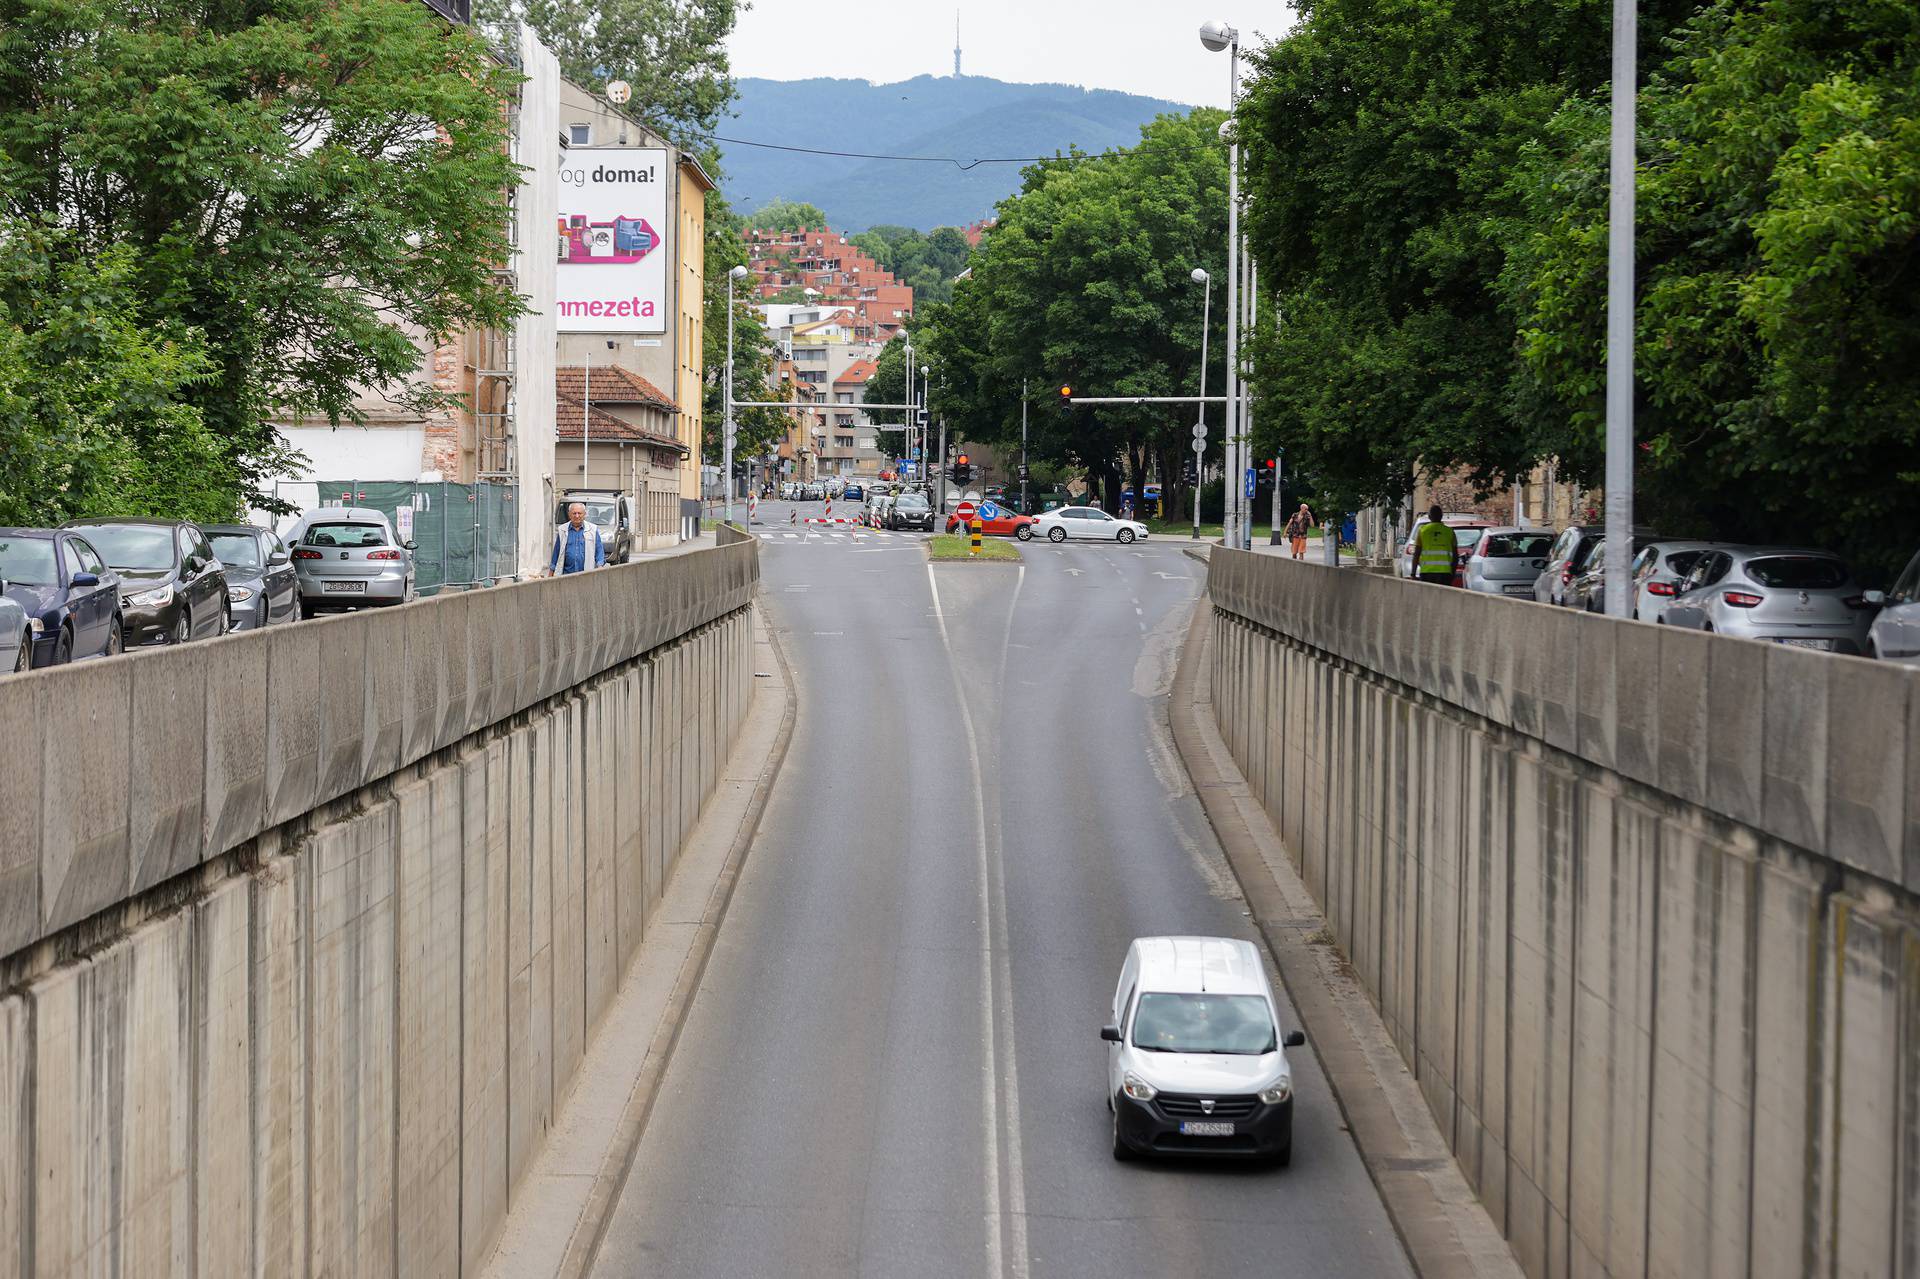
x=1780, y=594
x=1506, y=560
x=348, y=557
x=1896, y=632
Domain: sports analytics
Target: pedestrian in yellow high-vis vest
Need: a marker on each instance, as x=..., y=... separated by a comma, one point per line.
x=1434, y=550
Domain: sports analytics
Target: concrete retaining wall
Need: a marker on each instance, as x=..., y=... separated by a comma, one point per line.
x=1638, y=906
x=337, y=1051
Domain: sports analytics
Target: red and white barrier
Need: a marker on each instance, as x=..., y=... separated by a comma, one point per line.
x=837, y=519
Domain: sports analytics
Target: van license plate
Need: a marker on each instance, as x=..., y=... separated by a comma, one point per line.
x=1200, y=1128
x=343, y=586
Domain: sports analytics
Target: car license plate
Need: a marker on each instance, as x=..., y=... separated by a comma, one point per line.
x=1205, y=1128
x=1822, y=645
x=1518, y=590
x=343, y=586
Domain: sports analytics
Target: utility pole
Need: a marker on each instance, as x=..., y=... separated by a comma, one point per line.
x=1025, y=509
x=1620, y=214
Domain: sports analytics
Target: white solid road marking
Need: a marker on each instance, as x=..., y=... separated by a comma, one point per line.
x=995, y=970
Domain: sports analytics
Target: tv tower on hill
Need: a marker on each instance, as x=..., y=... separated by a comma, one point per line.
x=956, y=44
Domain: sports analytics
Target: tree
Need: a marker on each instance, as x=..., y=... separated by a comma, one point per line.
x=1778, y=345
x=786, y=215
x=294, y=189
x=756, y=431
x=674, y=55
x=1086, y=283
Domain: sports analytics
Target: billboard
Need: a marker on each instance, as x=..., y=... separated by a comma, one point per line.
x=613, y=260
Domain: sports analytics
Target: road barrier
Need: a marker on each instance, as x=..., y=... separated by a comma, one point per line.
x=1638, y=905
x=305, y=932
x=973, y=533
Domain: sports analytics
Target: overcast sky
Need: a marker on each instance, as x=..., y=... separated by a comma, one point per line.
x=1139, y=46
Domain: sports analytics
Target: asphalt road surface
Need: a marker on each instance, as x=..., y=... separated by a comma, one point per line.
x=893, y=1065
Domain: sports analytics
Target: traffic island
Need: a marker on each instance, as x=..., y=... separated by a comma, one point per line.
x=958, y=546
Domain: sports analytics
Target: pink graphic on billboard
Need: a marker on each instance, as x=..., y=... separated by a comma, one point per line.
x=600, y=243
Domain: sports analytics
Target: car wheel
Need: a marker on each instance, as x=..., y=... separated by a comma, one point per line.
x=226, y=620
x=183, y=627
x=1126, y=537
x=116, y=638
x=306, y=610
x=1121, y=1150
x=23, y=659
x=1056, y=534
x=63, y=647
x=1024, y=532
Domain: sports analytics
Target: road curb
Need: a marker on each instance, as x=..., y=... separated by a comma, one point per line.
x=583, y=1248
x=1446, y=1232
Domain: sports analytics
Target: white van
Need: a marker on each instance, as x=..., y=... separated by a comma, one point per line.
x=1196, y=1062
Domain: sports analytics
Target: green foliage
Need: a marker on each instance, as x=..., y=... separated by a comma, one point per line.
x=94, y=418
x=295, y=188
x=786, y=215
x=927, y=262
x=1086, y=282
x=756, y=431
x=1778, y=345
x=674, y=55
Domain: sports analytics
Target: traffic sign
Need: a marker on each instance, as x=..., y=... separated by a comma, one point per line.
x=1199, y=446
x=1199, y=431
x=1250, y=481
x=964, y=511
x=988, y=511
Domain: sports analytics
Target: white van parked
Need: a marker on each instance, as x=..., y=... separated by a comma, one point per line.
x=1196, y=1062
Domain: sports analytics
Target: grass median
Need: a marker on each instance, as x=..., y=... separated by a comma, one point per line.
x=955, y=546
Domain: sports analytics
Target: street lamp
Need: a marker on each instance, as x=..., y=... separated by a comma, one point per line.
x=1200, y=276
x=1620, y=180
x=726, y=466
x=1218, y=36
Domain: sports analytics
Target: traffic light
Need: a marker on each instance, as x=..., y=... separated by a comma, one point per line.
x=1264, y=476
x=962, y=469
x=1066, y=393
x=1191, y=474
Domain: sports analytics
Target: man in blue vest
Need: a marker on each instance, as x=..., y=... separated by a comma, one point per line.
x=1434, y=550
x=576, y=544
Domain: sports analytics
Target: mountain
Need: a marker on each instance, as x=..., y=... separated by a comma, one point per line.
x=968, y=117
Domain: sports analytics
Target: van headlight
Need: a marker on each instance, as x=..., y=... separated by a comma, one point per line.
x=1278, y=1093
x=1137, y=1088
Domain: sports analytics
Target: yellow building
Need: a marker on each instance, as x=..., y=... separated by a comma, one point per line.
x=690, y=304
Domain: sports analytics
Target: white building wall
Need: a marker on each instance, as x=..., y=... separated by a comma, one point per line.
x=537, y=149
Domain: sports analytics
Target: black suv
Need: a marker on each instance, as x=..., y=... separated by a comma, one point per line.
x=910, y=510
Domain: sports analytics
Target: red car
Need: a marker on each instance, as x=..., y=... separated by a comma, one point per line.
x=1004, y=524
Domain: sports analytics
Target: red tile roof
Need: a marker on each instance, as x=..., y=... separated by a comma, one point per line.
x=606, y=427
x=858, y=371
x=611, y=385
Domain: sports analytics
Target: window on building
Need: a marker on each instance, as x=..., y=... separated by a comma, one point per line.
x=843, y=397
x=580, y=135
x=843, y=441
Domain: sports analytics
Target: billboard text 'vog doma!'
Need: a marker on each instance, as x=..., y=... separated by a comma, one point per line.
x=613, y=266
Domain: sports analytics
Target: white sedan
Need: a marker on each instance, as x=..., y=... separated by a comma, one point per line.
x=1086, y=522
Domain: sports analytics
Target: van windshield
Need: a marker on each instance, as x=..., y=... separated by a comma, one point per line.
x=1237, y=1024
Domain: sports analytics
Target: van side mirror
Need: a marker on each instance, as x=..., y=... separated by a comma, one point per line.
x=1110, y=1033
x=1295, y=1039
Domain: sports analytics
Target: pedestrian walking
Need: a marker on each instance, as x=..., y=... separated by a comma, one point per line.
x=576, y=544
x=1434, y=550
x=1297, y=525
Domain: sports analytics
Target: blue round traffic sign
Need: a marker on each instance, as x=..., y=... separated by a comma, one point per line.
x=988, y=511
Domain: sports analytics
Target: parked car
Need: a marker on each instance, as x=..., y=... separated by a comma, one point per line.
x=1087, y=522
x=1004, y=522
x=1895, y=634
x=1566, y=558
x=1781, y=594
x=262, y=589
x=910, y=510
x=1196, y=1062
x=1657, y=572
x=348, y=557
x=1466, y=535
x=1588, y=589
x=16, y=635
x=1505, y=560
x=172, y=588
x=70, y=597
x=610, y=511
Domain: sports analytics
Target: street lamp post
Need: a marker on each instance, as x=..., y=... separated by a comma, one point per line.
x=1620, y=212
x=1217, y=36
x=1200, y=276
x=726, y=451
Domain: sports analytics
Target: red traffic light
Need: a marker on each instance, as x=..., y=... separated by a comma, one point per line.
x=962, y=459
x=1271, y=463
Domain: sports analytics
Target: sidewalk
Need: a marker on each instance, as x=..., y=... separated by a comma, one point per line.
x=564, y=1202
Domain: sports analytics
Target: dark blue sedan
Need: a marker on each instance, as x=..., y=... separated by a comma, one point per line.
x=70, y=595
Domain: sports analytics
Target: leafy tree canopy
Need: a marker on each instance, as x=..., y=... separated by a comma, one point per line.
x=786, y=215
x=929, y=262
x=203, y=182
